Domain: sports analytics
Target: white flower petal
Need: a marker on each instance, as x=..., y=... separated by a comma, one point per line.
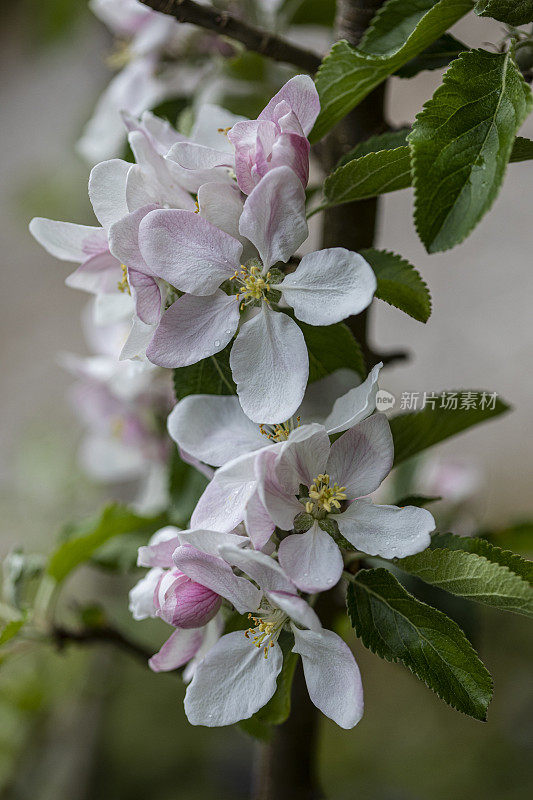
x=233, y=681
x=322, y=394
x=297, y=608
x=280, y=503
x=141, y=597
x=312, y=560
x=210, y=541
x=273, y=217
x=270, y=366
x=362, y=457
x=331, y=674
x=214, y=428
x=328, y=286
x=263, y=569
x=68, y=241
x=258, y=522
x=107, y=191
x=355, y=405
x=386, y=531
x=221, y=205
x=222, y=505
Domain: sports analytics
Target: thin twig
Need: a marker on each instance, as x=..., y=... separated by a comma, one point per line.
x=253, y=38
x=63, y=636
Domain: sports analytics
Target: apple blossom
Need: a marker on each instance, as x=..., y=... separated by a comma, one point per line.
x=238, y=675
x=269, y=357
x=329, y=483
x=232, y=495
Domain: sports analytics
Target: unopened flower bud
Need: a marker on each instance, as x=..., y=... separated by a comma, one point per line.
x=183, y=603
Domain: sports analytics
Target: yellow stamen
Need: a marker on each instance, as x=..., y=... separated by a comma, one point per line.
x=123, y=285
x=323, y=497
x=253, y=284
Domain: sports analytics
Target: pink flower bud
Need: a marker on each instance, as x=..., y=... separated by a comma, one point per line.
x=183, y=603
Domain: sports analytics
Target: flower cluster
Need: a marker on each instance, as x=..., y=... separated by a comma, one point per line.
x=198, y=249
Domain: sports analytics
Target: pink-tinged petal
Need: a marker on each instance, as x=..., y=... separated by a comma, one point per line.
x=273, y=217
x=263, y=569
x=211, y=541
x=280, y=503
x=303, y=457
x=270, y=366
x=233, y=681
x=300, y=95
x=158, y=552
x=252, y=141
x=107, y=191
x=188, y=458
x=99, y=274
x=159, y=131
x=331, y=674
x=222, y=505
x=194, y=328
x=147, y=295
x=214, y=428
x=312, y=560
x=68, y=241
x=187, y=251
x=187, y=604
x=362, y=457
x=258, y=522
x=291, y=150
x=221, y=205
x=386, y=531
x=328, y=286
x=179, y=648
x=297, y=609
x=124, y=239
x=211, y=634
x=354, y=406
x=217, y=575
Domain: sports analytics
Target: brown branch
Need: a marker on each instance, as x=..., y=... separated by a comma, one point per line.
x=106, y=635
x=253, y=38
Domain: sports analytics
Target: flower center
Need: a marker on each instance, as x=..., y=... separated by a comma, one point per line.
x=323, y=497
x=253, y=285
x=269, y=623
x=123, y=285
x=279, y=433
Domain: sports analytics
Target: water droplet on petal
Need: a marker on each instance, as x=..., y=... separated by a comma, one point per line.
x=217, y=342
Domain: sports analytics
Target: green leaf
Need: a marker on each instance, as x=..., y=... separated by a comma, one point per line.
x=474, y=575
x=437, y=55
x=461, y=143
x=513, y=12
x=418, y=500
x=389, y=140
x=368, y=176
x=88, y=536
x=399, y=283
x=11, y=629
x=520, y=566
x=418, y=430
x=331, y=347
x=210, y=376
x=363, y=173
x=278, y=707
x=522, y=149
x=400, y=31
x=397, y=627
